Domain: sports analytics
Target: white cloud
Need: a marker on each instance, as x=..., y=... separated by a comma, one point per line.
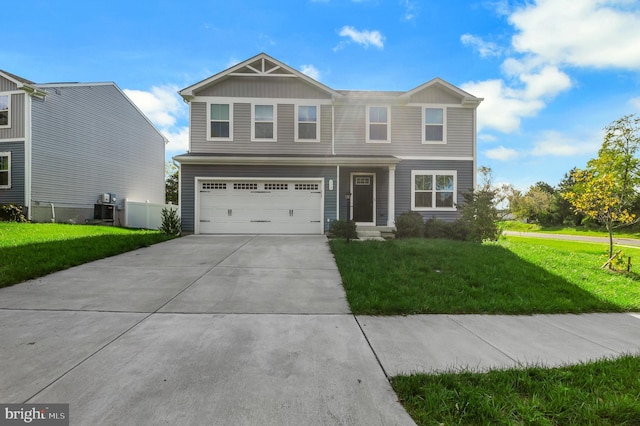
x=556, y=144
x=501, y=153
x=635, y=102
x=365, y=38
x=546, y=83
x=503, y=107
x=166, y=110
x=484, y=48
x=410, y=10
x=584, y=33
x=311, y=71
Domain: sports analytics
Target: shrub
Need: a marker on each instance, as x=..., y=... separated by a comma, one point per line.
x=409, y=225
x=339, y=229
x=12, y=213
x=170, y=222
x=436, y=228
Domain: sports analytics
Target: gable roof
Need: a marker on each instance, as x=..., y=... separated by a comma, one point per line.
x=261, y=65
x=467, y=98
x=19, y=81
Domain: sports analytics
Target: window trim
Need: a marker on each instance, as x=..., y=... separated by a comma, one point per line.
x=297, y=123
x=444, y=124
x=210, y=119
x=434, y=173
x=388, y=124
x=253, y=122
x=8, y=155
x=8, y=125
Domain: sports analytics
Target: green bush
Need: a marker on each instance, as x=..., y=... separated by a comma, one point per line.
x=409, y=225
x=437, y=228
x=339, y=229
x=170, y=222
x=12, y=213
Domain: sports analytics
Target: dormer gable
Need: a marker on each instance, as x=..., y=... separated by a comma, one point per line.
x=263, y=71
x=438, y=91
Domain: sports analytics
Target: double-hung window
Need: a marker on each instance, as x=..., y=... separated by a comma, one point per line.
x=434, y=125
x=433, y=190
x=377, y=124
x=264, y=123
x=220, y=119
x=307, y=129
x=5, y=170
x=5, y=110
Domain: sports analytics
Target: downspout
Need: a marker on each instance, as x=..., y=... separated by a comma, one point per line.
x=333, y=127
x=28, y=135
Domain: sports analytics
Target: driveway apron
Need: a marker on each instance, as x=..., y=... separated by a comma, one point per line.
x=220, y=330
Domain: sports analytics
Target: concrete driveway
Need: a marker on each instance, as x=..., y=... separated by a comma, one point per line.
x=221, y=330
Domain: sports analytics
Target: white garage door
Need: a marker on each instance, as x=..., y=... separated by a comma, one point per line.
x=260, y=206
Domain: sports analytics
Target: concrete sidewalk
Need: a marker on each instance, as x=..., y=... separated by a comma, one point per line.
x=246, y=330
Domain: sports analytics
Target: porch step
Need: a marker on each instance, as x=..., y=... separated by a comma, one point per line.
x=369, y=233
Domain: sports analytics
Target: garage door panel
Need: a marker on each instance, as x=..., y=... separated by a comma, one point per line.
x=261, y=206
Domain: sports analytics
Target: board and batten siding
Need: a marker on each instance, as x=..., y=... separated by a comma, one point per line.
x=17, y=129
x=7, y=85
x=465, y=171
x=89, y=139
x=241, y=144
x=188, y=173
x=15, y=194
x=257, y=87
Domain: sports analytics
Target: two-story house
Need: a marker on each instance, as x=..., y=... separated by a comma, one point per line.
x=274, y=151
x=64, y=145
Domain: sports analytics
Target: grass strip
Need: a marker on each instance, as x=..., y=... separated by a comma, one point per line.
x=513, y=276
x=605, y=392
x=32, y=250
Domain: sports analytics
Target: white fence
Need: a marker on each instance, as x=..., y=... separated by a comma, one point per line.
x=144, y=215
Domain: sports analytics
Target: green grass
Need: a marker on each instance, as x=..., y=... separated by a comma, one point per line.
x=517, y=226
x=604, y=392
x=514, y=276
x=31, y=250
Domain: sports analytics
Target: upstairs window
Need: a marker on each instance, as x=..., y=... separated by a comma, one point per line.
x=433, y=190
x=377, y=124
x=307, y=123
x=220, y=121
x=434, y=125
x=5, y=170
x=264, y=123
x=5, y=101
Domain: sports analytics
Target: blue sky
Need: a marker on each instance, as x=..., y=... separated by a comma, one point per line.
x=553, y=72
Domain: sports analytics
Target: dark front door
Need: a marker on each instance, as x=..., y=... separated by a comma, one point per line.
x=362, y=198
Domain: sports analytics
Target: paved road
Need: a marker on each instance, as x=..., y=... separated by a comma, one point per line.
x=618, y=241
x=250, y=330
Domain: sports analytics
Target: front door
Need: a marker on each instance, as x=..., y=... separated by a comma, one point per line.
x=362, y=188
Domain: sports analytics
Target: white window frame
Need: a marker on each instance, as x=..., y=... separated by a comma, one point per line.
x=253, y=122
x=434, y=173
x=444, y=124
x=8, y=171
x=368, y=130
x=297, y=123
x=8, y=125
x=210, y=119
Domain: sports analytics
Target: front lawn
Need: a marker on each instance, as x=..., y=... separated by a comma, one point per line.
x=514, y=276
x=31, y=250
x=599, y=393
x=517, y=226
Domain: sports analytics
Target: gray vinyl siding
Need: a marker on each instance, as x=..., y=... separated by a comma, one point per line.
x=15, y=194
x=241, y=144
x=435, y=95
x=406, y=133
x=189, y=172
x=16, y=131
x=7, y=85
x=465, y=171
x=381, y=195
x=257, y=87
x=89, y=140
